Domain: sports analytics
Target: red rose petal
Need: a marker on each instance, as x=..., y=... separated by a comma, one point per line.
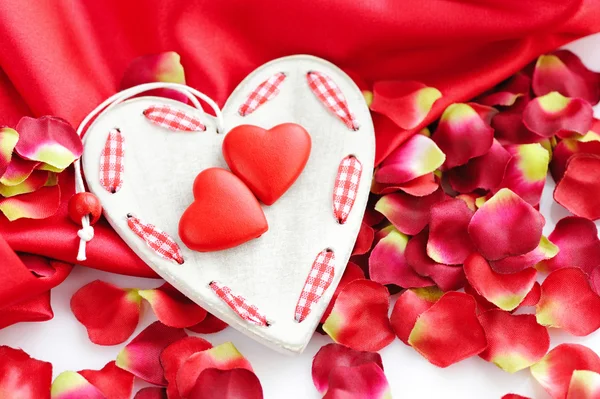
x=222, y=357
x=506, y=291
x=141, y=356
x=409, y=214
x=210, y=325
x=372, y=217
x=22, y=376
x=533, y=297
x=227, y=384
x=584, y=384
x=364, y=241
x=172, y=308
x=512, y=264
x=387, y=263
x=555, y=114
x=462, y=134
x=595, y=280
x=554, y=371
x=514, y=342
x=334, y=355
x=568, y=302
x=514, y=396
x=174, y=355
x=351, y=273
x=359, y=318
x=110, y=314
x=578, y=243
x=151, y=393
x=449, y=240
x=483, y=305
x=565, y=150
x=35, y=309
x=578, y=189
x=409, y=306
x=449, y=331
x=112, y=381
x=508, y=92
x=509, y=127
x=506, y=225
x=366, y=381
x=418, y=187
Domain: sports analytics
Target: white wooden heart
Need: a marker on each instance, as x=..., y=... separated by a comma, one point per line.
x=270, y=271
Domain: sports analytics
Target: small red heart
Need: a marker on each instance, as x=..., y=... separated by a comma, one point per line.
x=224, y=213
x=268, y=161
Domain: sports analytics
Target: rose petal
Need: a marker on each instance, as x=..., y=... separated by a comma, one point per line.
x=172, y=308
x=564, y=72
x=110, y=314
x=578, y=243
x=22, y=376
x=533, y=297
x=555, y=114
x=509, y=127
x=35, y=309
x=407, y=103
x=567, y=148
x=595, y=280
x=554, y=371
x=526, y=171
x=48, y=139
x=483, y=305
x=209, y=325
x=372, y=217
x=506, y=225
x=151, y=393
x=484, y=172
x=364, y=241
x=351, y=273
x=449, y=240
x=71, y=385
x=40, y=204
x=418, y=187
x=512, y=264
x=174, y=355
x=514, y=396
x=462, y=134
x=514, y=342
x=222, y=357
x=8, y=141
x=410, y=305
x=359, y=318
x=227, y=384
x=141, y=356
x=506, y=291
x=387, y=263
x=568, y=302
x=409, y=214
x=36, y=179
x=508, y=92
x=585, y=384
x=18, y=171
x=162, y=67
x=416, y=157
x=577, y=190
x=366, y=381
x=449, y=331
x=112, y=381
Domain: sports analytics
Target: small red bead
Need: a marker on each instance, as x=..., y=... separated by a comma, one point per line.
x=82, y=204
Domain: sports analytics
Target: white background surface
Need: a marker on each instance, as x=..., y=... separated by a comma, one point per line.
x=64, y=342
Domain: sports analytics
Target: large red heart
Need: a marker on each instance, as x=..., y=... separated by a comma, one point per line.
x=268, y=161
x=224, y=213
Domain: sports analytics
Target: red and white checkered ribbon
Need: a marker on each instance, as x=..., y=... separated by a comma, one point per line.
x=239, y=305
x=346, y=187
x=173, y=119
x=264, y=92
x=328, y=92
x=159, y=241
x=317, y=282
x=112, y=160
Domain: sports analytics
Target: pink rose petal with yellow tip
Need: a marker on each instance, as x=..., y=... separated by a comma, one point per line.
x=565, y=149
x=71, y=385
x=546, y=250
x=48, y=139
x=35, y=180
x=18, y=171
x=507, y=93
x=8, y=141
x=555, y=370
x=365, y=381
x=462, y=134
x=173, y=308
x=585, y=384
x=506, y=291
x=506, y=225
x=407, y=103
x=554, y=113
x=409, y=306
x=449, y=241
x=568, y=302
x=563, y=71
x=515, y=342
x=39, y=204
x=416, y=157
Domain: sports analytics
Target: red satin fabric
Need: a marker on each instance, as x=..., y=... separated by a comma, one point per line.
x=63, y=57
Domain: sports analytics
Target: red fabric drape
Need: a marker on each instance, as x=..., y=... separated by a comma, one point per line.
x=63, y=57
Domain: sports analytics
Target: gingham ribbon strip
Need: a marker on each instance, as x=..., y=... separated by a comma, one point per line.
x=173, y=119
x=264, y=92
x=328, y=92
x=112, y=160
x=239, y=305
x=346, y=187
x=159, y=241
x=317, y=282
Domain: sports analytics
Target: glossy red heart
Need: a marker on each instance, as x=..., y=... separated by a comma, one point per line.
x=224, y=213
x=268, y=161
